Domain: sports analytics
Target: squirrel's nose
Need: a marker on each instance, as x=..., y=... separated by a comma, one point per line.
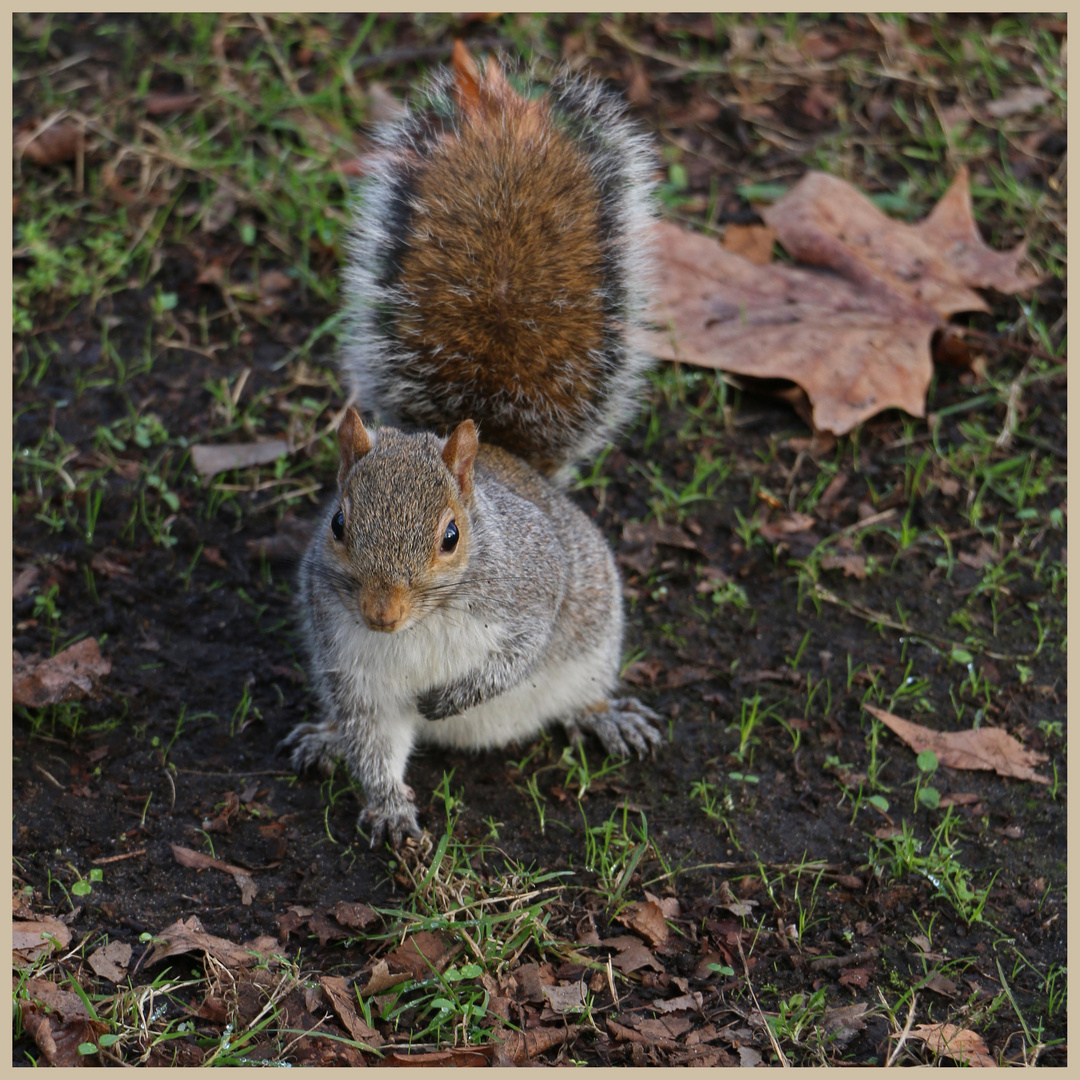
x=385, y=609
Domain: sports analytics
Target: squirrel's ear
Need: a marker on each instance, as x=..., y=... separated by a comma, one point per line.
x=459, y=453
x=353, y=442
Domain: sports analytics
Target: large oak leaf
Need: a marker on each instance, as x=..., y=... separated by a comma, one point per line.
x=855, y=331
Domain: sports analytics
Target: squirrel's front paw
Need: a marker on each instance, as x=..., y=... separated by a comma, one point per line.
x=617, y=724
x=393, y=819
x=313, y=746
x=435, y=704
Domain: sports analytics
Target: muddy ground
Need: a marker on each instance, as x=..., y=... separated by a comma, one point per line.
x=208, y=674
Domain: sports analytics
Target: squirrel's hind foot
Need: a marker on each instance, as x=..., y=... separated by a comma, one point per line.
x=620, y=725
x=313, y=746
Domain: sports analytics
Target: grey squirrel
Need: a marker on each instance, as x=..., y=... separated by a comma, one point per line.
x=453, y=594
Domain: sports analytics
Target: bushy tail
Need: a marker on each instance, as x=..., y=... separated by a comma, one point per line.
x=500, y=264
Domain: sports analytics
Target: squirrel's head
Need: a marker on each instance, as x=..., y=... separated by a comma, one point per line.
x=402, y=530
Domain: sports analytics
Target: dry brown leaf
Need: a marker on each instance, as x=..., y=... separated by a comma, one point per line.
x=852, y=565
x=519, y=1047
x=844, y=1022
x=986, y=748
x=631, y=954
x=155, y=104
x=741, y=908
x=110, y=568
x=819, y=102
x=355, y=916
x=786, y=525
x=856, y=976
x=749, y=1058
x=327, y=929
x=686, y=675
x=625, y=1034
x=940, y=985
x=24, y=580
x=342, y=999
x=288, y=922
x=668, y=905
x=209, y=460
x=111, y=961
x=422, y=952
x=565, y=998
x=824, y=221
x=198, y=861
x=526, y=981
x=654, y=533
x=58, y=1022
x=644, y=672
x=189, y=936
x=213, y=273
x=784, y=322
x=854, y=336
x=752, y=242
x=382, y=978
x=648, y=920
x=959, y=1044
x=960, y=798
x=57, y=143
x=666, y=1027
x=679, y=1004
x=33, y=938
x=67, y=676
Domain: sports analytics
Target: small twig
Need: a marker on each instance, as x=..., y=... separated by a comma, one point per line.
x=52, y=69
x=631, y=45
x=331, y=425
x=879, y=617
x=749, y=986
x=296, y=493
x=160, y=153
x=209, y=353
x=867, y=522
x=49, y=776
x=903, y=1034
x=800, y=457
x=119, y=858
x=1009, y=343
x=611, y=984
x=283, y=67
x=386, y=58
x=1011, y=410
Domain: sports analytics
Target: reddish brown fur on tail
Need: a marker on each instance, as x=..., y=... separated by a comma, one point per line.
x=510, y=296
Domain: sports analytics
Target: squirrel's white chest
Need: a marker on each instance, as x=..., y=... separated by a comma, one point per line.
x=391, y=670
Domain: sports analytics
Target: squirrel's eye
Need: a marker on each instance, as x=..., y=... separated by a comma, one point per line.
x=450, y=537
x=337, y=524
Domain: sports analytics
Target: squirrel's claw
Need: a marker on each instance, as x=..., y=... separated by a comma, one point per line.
x=393, y=820
x=312, y=746
x=621, y=722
